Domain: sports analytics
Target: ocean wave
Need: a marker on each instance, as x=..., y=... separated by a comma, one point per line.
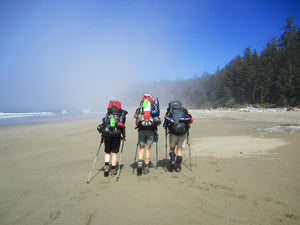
x=20, y=115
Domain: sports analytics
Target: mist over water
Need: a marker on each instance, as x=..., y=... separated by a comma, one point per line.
x=85, y=92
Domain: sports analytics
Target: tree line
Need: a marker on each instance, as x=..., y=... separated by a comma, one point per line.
x=267, y=79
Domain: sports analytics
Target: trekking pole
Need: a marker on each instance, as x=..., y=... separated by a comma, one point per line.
x=137, y=145
x=94, y=163
x=156, y=155
x=166, y=148
x=156, y=136
x=189, y=143
x=119, y=171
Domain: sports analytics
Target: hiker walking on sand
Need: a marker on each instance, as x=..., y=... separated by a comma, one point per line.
x=177, y=120
x=147, y=120
x=112, y=130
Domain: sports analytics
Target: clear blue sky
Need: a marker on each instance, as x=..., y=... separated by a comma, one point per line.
x=61, y=54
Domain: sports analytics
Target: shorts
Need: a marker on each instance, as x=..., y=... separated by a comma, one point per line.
x=146, y=137
x=112, y=144
x=178, y=140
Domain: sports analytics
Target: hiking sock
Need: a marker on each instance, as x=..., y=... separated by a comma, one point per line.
x=146, y=165
x=113, y=167
x=172, y=156
x=140, y=162
x=179, y=160
x=106, y=163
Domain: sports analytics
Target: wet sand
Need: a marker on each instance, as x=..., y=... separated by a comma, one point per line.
x=242, y=173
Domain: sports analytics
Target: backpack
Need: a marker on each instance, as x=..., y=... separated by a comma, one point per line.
x=176, y=118
x=147, y=115
x=113, y=123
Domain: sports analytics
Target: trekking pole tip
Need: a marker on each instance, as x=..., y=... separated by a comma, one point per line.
x=87, y=182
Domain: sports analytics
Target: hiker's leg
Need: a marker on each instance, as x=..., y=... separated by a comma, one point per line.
x=141, y=152
x=178, y=159
x=113, y=163
x=107, y=157
x=147, y=154
x=140, y=161
x=149, y=139
x=172, y=149
x=141, y=143
x=172, y=155
x=114, y=158
x=107, y=150
x=173, y=143
x=147, y=158
x=115, y=146
x=106, y=165
x=179, y=151
x=181, y=144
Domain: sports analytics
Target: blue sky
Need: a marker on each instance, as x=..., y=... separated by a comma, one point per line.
x=57, y=55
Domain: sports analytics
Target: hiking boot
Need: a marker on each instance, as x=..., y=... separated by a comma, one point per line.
x=172, y=160
x=140, y=168
x=106, y=170
x=172, y=165
x=178, y=163
x=178, y=169
x=113, y=172
x=146, y=170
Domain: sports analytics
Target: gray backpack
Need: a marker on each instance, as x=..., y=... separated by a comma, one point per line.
x=177, y=118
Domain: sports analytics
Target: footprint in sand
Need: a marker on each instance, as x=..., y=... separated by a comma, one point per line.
x=90, y=218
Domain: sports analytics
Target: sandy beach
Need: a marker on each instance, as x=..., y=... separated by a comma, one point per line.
x=245, y=170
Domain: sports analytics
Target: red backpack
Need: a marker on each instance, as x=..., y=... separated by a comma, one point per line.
x=114, y=120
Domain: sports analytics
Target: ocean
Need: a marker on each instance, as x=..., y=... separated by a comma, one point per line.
x=38, y=117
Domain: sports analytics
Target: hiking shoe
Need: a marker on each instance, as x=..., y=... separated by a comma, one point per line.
x=113, y=172
x=140, y=168
x=106, y=170
x=146, y=170
x=172, y=165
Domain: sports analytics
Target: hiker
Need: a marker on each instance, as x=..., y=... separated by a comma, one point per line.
x=147, y=120
x=177, y=121
x=112, y=130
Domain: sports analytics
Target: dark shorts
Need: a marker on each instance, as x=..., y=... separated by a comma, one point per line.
x=112, y=144
x=145, y=137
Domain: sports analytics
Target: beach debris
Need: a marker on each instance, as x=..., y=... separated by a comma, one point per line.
x=282, y=129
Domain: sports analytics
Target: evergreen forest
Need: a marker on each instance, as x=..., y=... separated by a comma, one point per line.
x=270, y=78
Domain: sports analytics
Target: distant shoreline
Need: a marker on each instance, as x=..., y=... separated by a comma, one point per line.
x=247, y=109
